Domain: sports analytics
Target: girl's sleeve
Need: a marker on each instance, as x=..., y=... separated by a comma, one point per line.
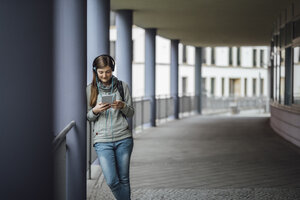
x=90, y=115
x=128, y=109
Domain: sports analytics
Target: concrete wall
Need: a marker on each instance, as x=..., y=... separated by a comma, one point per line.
x=286, y=122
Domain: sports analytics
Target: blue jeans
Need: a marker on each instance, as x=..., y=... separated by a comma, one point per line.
x=114, y=158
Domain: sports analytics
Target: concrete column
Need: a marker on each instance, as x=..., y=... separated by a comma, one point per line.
x=70, y=24
x=198, y=78
x=124, y=48
x=174, y=76
x=98, y=13
x=150, y=59
x=26, y=85
x=288, y=76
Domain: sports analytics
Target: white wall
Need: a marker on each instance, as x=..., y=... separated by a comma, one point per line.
x=163, y=49
x=138, y=36
x=246, y=56
x=222, y=56
x=218, y=71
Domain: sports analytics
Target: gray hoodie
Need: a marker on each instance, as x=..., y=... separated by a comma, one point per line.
x=110, y=125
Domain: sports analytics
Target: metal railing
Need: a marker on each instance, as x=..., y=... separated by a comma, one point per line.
x=233, y=103
x=62, y=136
x=59, y=150
x=165, y=110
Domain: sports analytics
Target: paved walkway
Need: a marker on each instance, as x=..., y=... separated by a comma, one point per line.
x=211, y=158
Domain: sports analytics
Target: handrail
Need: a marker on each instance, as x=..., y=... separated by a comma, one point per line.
x=61, y=136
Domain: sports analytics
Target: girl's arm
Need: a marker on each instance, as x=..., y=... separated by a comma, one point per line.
x=90, y=114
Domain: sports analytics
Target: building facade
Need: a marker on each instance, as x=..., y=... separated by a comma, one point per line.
x=226, y=71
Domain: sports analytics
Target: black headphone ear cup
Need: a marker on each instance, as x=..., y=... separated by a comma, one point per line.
x=113, y=62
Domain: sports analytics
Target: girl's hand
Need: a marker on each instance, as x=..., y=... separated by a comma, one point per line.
x=118, y=104
x=100, y=107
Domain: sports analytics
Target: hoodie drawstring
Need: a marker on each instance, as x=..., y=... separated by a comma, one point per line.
x=107, y=112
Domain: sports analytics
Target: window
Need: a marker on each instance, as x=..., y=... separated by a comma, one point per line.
x=277, y=71
x=238, y=56
x=112, y=49
x=212, y=86
x=254, y=58
x=245, y=87
x=272, y=70
x=231, y=87
x=254, y=87
x=212, y=55
x=235, y=87
x=261, y=64
x=296, y=78
x=223, y=87
x=230, y=55
x=204, y=89
x=203, y=52
x=261, y=87
x=282, y=75
x=184, y=86
x=184, y=54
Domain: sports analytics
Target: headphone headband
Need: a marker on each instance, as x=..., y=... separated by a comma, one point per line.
x=111, y=60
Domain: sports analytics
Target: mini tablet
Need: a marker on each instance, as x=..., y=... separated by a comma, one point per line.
x=108, y=99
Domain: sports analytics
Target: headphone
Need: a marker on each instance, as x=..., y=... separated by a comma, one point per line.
x=111, y=60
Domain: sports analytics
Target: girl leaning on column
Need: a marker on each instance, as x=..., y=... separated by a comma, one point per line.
x=113, y=141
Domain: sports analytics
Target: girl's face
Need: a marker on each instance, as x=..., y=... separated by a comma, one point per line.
x=105, y=74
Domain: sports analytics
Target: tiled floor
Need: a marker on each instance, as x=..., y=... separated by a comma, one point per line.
x=212, y=157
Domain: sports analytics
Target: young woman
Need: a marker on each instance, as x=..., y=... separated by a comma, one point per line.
x=113, y=140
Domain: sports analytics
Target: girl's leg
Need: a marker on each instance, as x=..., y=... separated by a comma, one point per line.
x=123, y=154
x=107, y=159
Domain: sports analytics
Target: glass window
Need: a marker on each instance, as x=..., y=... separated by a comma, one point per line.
x=230, y=55
x=277, y=72
x=184, y=85
x=254, y=87
x=204, y=89
x=282, y=75
x=238, y=56
x=184, y=54
x=274, y=70
x=261, y=87
x=261, y=64
x=235, y=87
x=254, y=58
x=212, y=55
x=245, y=87
x=296, y=74
x=223, y=86
x=212, y=86
x=203, y=55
